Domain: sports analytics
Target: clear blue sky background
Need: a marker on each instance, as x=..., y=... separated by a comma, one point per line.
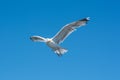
x=94, y=50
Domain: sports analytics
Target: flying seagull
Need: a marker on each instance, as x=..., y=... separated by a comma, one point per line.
x=54, y=42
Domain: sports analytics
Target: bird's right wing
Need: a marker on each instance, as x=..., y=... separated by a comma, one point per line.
x=68, y=29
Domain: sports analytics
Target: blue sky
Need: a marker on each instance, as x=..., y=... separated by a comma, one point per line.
x=94, y=50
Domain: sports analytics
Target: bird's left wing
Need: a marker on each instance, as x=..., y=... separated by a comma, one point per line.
x=68, y=29
x=38, y=39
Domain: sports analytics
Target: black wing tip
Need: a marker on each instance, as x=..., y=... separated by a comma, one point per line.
x=31, y=38
x=86, y=19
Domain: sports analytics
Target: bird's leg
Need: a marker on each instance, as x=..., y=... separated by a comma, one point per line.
x=59, y=55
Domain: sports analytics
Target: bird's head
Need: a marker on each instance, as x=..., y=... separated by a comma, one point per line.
x=49, y=40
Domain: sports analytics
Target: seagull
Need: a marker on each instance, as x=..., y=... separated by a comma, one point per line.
x=54, y=42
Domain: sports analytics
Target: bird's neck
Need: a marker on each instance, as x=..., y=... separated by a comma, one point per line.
x=49, y=40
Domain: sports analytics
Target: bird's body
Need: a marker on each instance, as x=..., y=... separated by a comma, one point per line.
x=55, y=47
x=54, y=42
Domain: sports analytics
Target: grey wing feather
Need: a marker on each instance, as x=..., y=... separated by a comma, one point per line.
x=68, y=29
x=37, y=39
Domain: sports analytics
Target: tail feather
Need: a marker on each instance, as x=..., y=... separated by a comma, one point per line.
x=60, y=51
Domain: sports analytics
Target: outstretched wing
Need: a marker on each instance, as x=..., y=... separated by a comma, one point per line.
x=37, y=39
x=68, y=29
